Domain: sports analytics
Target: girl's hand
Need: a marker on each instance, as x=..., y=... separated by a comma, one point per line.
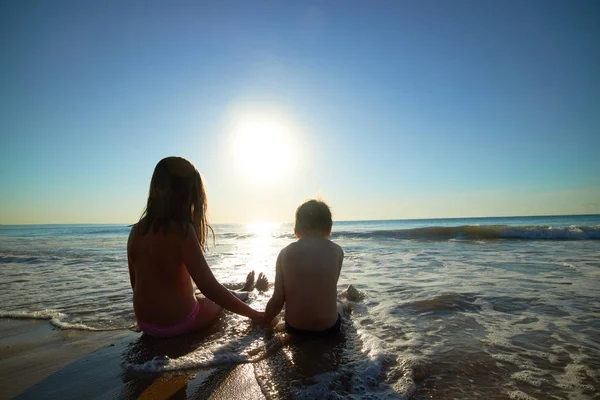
x=258, y=318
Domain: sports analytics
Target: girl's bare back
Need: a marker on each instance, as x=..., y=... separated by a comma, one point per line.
x=163, y=292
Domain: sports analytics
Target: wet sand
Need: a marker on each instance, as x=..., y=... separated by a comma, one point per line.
x=40, y=361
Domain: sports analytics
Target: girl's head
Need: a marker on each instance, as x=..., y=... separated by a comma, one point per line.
x=176, y=196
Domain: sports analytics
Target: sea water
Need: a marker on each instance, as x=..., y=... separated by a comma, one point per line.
x=451, y=308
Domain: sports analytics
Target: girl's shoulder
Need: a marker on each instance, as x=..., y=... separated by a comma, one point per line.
x=132, y=236
x=134, y=229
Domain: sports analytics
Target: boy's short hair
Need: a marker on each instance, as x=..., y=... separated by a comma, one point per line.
x=313, y=217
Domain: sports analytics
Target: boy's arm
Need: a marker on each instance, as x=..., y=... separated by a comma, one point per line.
x=129, y=257
x=207, y=283
x=276, y=302
x=341, y=262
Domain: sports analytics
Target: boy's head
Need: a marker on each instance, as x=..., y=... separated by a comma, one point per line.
x=313, y=218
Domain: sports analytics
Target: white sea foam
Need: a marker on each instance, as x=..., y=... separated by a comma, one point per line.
x=530, y=377
x=214, y=355
x=189, y=361
x=518, y=395
x=56, y=318
x=43, y=314
x=380, y=362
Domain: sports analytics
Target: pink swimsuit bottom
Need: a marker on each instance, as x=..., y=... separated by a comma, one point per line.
x=186, y=326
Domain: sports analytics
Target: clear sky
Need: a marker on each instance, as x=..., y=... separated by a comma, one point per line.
x=395, y=109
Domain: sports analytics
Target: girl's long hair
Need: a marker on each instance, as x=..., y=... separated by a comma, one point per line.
x=176, y=198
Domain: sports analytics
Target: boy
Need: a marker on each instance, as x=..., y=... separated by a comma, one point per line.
x=306, y=275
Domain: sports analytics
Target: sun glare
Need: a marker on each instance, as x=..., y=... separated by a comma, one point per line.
x=263, y=149
x=261, y=246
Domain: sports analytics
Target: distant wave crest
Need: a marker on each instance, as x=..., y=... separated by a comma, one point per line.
x=20, y=259
x=488, y=232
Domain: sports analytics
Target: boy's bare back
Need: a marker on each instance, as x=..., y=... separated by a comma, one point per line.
x=306, y=275
x=310, y=268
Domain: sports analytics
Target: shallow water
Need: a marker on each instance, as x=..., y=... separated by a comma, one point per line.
x=459, y=308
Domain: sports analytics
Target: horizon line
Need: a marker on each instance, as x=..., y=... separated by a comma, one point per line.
x=346, y=220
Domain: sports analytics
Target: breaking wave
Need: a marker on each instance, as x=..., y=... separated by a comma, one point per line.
x=488, y=232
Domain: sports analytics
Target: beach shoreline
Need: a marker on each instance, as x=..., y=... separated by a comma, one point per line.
x=38, y=360
x=32, y=351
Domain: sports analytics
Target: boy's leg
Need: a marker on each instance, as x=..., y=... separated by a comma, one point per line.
x=343, y=308
x=353, y=294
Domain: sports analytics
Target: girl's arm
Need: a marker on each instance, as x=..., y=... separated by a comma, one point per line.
x=277, y=301
x=207, y=283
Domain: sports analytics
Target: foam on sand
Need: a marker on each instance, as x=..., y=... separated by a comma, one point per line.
x=56, y=318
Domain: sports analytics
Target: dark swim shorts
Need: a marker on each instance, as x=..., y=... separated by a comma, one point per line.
x=315, y=334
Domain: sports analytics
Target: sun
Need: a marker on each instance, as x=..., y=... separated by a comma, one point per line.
x=263, y=148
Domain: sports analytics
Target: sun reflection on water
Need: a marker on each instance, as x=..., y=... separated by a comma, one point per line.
x=261, y=246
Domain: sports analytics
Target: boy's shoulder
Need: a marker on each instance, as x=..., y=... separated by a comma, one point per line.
x=334, y=244
x=289, y=248
x=300, y=245
x=337, y=248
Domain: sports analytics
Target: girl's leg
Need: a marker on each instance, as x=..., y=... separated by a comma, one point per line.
x=243, y=296
x=207, y=314
x=248, y=286
x=242, y=293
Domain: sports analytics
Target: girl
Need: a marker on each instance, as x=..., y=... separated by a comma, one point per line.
x=164, y=251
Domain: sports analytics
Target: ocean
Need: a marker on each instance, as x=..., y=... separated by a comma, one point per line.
x=451, y=308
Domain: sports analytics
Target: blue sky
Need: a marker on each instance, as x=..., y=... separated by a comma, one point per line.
x=397, y=109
